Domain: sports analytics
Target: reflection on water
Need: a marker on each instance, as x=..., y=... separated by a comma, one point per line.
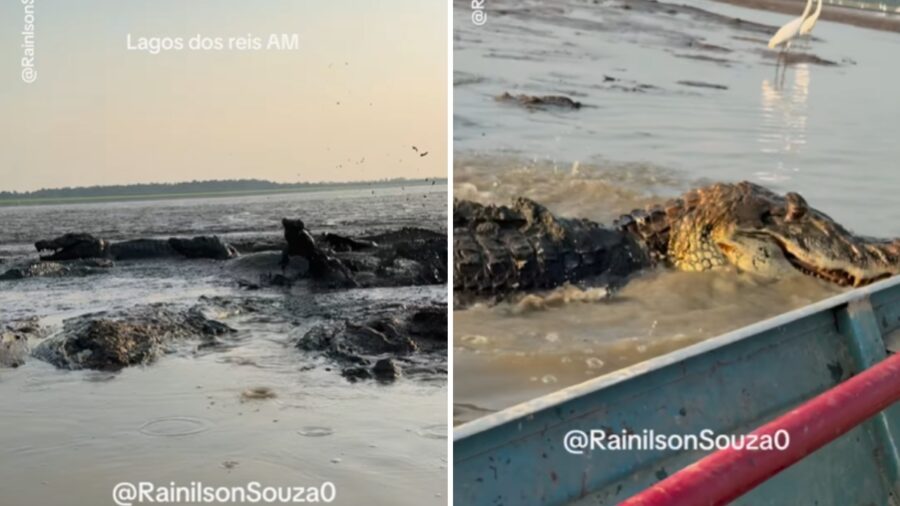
x=784, y=120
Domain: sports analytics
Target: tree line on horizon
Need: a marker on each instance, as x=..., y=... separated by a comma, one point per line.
x=208, y=186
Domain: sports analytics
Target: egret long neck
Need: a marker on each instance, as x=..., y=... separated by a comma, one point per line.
x=818, y=9
x=807, y=8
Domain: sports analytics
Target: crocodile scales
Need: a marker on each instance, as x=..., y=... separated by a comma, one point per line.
x=505, y=249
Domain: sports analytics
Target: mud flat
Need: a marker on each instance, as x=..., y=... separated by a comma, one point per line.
x=175, y=369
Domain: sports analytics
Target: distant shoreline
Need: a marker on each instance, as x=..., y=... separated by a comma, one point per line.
x=876, y=20
x=324, y=187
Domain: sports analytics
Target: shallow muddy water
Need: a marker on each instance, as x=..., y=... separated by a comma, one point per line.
x=67, y=435
x=673, y=96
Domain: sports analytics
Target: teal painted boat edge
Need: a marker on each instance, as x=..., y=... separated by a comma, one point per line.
x=858, y=322
x=731, y=384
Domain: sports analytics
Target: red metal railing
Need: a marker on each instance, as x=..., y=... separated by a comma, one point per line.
x=725, y=475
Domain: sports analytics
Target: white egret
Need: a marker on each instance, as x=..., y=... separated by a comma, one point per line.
x=788, y=32
x=810, y=22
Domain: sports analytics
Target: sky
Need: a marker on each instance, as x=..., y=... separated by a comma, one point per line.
x=368, y=82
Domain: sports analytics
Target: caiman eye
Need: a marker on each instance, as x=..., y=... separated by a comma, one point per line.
x=796, y=207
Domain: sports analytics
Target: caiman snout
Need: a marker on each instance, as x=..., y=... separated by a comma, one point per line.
x=72, y=247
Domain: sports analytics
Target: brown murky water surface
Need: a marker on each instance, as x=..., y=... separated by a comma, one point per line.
x=673, y=96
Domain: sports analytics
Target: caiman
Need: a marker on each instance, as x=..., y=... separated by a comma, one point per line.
x=499, y=250
x=82, y=246
x=404, y=257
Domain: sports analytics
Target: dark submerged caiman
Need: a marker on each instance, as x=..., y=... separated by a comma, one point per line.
x=404, y=257
x=500, y=250
x=83, y=246
x=385, y=340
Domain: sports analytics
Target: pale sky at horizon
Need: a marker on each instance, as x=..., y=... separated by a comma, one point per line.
x=368, y=82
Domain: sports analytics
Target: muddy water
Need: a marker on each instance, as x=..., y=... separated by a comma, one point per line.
x=67, y=437
x=673, y=96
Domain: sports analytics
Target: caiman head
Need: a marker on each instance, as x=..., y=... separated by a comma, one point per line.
x=755, y=230
x=73, y=247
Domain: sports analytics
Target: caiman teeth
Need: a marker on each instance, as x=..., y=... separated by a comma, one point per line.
x=837, y=276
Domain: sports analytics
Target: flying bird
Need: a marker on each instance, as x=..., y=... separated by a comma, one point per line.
x=423, y=154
